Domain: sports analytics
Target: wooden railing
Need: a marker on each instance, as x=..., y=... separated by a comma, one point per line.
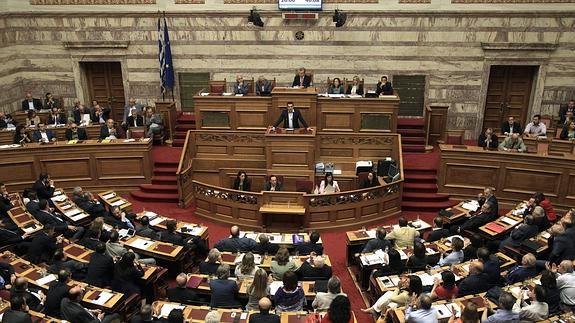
x=184, y=172
x=169, y=115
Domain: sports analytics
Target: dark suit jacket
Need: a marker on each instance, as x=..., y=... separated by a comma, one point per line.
x=37, y=104
x=41, y=248
x=5, y=205
x=126, y=281
x=173, y=238
x=48, y=218
x=81, y=134
x=104, y=132
x=268, y=186
x=11, y=316
x=207, y=268
x=387, y=89
x=366, y=184
x=182, y=295
x=43, y=191
x=8, y=237
x=60, y=119
x=492, y=268
x=520, y=273
x=235, y=244
x=297, y=118
x=264, y=318
x=269, y=248
x=147, y=232
x=74, y=312
x=224, y=293
x=562, y=248
x=521, y=233
x=305, y=248
x=516, y=127
x=494, y=204
x=37, y=136
x=267, y=87
x=563, y=112
x=105, y=115
x=100, y=270
x=3, y=124
x=247, y=185
x=473, y=284
x=306, y=81
x=308, y=272
x=376, y=244
x=359, y=90
x=139, y=121
x=437, y=235
x=31, y=300
x=54, y=296
x=493, y=144
x=477, y=220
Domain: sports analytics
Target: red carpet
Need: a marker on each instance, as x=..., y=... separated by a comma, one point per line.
x=412, y=134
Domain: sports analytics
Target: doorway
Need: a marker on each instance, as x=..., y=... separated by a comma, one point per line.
x=508, y=94
x=411, y=90
x=105, y=85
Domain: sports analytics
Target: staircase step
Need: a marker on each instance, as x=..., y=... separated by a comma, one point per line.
x=413, y=148
x=178, y=143
x=167, y=164
x=186, y=117
x=413, y=140
x=180, y=135
x=424, y=176
x=154, y=188
x=426, y=206
x=420, y=187
x=156, y=197
x=165, y=170
x=401, y=122
x=411, y=132
x=185, y=127
x=424, y=197
x=169, y=180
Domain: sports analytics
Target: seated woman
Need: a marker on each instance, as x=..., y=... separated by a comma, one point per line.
x=224, y=291
x=21, y=135
x=445, y=287
x=417, y=261
x=247, y=268
x=32, y=119
x=356, y=88
x=456, y=256
x=568, y=132
x=242, y=182
x=336, y=87
x=211, y=266
x=369, y=181
x=127, y=274
x=339, y=311
x=394, y=267
x=290, y=297
x=410, y=286
x=328, y=185
x=258, y=289
x=281, y=264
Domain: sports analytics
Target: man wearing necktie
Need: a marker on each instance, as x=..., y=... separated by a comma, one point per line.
x=291, y=118
x=301, y=80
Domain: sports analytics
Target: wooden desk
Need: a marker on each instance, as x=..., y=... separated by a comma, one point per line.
x=72, y=212
x=229, y=258
x=24, y=220
x=458, y=214
x=158, y=222
x=118, y=164
x=111, y=199
x=154, y=248
x=283, y=210
x=466, y=170
x=7, y=136
x=284, y=239
x=197, y=313
x=290, y=149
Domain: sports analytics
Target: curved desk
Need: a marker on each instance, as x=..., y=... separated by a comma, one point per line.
x=119, y=165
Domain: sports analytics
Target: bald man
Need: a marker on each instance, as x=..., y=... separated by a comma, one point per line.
x=74, y=312
x=181, y=294
x=30, y=103
x=476, y=282
x=235, y=243
x=315, y=269
x=111, y=131
x=264, y=315
x=566, y=282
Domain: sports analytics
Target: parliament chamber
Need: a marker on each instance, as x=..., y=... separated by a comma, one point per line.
x=298, y=161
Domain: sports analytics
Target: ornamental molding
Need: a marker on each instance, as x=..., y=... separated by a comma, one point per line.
x=89, y=2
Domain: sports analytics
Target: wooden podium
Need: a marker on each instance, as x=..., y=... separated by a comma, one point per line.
x=290, y=149
x=283, y=210
x=305, y=100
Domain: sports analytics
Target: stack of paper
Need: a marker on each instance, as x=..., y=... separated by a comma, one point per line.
x=167, y=308
x=46, y=280
x=427, y=279
x=157, y=220
x=118, y=203
x=65, y=206
x=141, y=244
x=109, y=196
x=103, y=298
x=471, y=205
x=59, y=198
x=403, y=255
x=509, y=221
x=72, y=212
x=387, y=282
x=274, y=286
x=371, y=233
x=251, y=235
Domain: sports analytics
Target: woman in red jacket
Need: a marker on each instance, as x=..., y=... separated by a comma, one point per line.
x=546, y=205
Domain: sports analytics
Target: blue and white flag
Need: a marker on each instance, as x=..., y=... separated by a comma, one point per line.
x=165, y=57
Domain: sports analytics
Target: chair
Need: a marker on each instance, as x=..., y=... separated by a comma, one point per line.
x=360, y=178
x=304, y=186
x=455, y=137
x=159, y=136
x=129, y=307
x=558, y=132
x=137, y=132
x=217, y=87
x=252, y=89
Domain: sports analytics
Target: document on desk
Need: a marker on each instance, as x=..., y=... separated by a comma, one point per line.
x=59, y=198
x=103, y=298
x=141, y=244
x=426, y=279
x=274, y=286
x=46, y=280
x=471, y=205
x=157, y=220
x=509, y=221
x=118, y=203
x=167, y=308
x=72, y=212
x=387, y=282
x=109, y=196
x=79, y=216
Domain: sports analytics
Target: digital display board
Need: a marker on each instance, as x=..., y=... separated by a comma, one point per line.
x=300, y=4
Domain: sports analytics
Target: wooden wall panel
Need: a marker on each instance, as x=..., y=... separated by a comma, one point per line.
x=68, y=168
x=108, y=167
x=521, y=180
x=457, y=175
x=18, y=172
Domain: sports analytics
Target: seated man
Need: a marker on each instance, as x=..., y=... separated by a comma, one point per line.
x=513, y=143
x=264, y=315
x=128, y=107
x=301, y=80
x=491, y=266
x=30, y=103
x=420, y=310
x=5, y=206
x=456, y=256
x=263, y=86
x=73, y=311
x=537, y=310
x=145, y=230
x=319, y=270
x=291, y=118
x=522, y=272
x=384, y=87
x=18, y=311
x=511, y=126
x=44, y=187
x=82, y=115
x=56, y=118
x=504, y=313
x=484, y=216
x=522, y=232
x=322, y=300
x=438, y=232
x=88, y=203
x=565, y=282
x=535, y=128
x=170, y=235
x=474, y=283
x=56, y=293
x=43, y=245
x=564, y=109
x=100, y=114
x=181, y=294
x=211, y=266
x=224, y=291
x=100, y=268
x=119, y=219
x=264, y=246
x=563, y=248
x=61, y=262
x=273, y=185
x=91, y=239
x=403, y=235
x=311, y=246
x=51, y=102
x=135, y=120
x=154, y=122
x=488, y=196
x=235, y=243
x=111, y=131
x=43, y=135
x=488, y=139
x=34, y=298
x=378, y=243
x=75, y=133
x=117, y=250
x=241, y=87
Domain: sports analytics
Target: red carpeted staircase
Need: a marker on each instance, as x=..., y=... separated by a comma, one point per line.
x=412, y=131
x=164, y=186
x=184, y=123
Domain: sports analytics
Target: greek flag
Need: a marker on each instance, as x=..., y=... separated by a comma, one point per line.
x=165, y=57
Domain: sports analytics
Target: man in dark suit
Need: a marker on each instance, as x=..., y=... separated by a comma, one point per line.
x=241, y=86
x=377, y=243
x=145, y=231
x=88, y=203
x=61, y=262
x=484, y=216
x=170, y=235
x=263, y=86
x=145, y=316
x=264, y=246
x=384, y=87
x=43, y=245
x=34, y=298
x=564, y=108
x=8, y=237
x=100, y=115
x=438, y=232
x=235, y=243
x=135, y=120
x=44, y=187
x=521, y=233
x=51, y=102
x=474, y=283
x=488, y=139
x=491, y=266
x=120, y=219
x=306, y=248
x=5, y=203
x=18, y=312
x=72, y=311
x=56, y=118
x=511, y=126
x=319, y=270
x=111, y=131
x=264, y=315
x=75, y=133
x=47, y=217
x=522, y=272
x=100, y=268
x=489, y=196
x=563, y=247
x=301, y=80
x=181, y=294
x=43, y=134
x=291, y=118
x=56, y=292
x=273, y=184
x=31, y=103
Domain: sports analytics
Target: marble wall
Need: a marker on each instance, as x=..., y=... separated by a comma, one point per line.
x=42, y=51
